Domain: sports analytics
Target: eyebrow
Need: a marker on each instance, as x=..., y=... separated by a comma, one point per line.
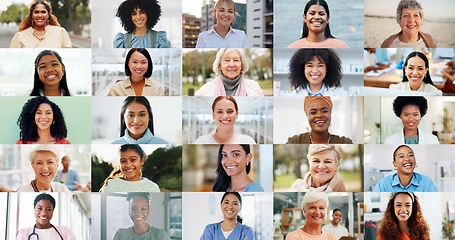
x=52, y=61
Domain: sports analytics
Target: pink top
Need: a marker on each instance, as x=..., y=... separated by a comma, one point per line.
x=58, y=141
x=328, y=43
x=299, y=234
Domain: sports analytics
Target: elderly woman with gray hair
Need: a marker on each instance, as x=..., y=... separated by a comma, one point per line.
x=323, y=161
x=314, y=206
x=410, y=17
x=230, y=66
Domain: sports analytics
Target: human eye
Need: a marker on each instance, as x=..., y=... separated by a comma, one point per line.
x=219, y=112
x=235, y=154
x=315, y=160
x=130, y=115
x=142, y=114
x=224, y=155
x=411, y=154
x=122, y=161
x=312, y=112
x=230, y=111
x=325, y=110
x=322, y=13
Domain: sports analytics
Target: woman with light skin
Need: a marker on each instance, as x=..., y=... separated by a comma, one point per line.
x=139, y=211
x=416, y=75
x=129, y=177
x=410, y=18
x=222, y=35
x=44, y=206
x=41, y=122
x=138, y=68
x=225, y=112
x=231, y=227
x=136, y=123
x=234, y=165
x=318, y=109
x=316, y=30
x=44, y=162
x=403, y=219
x=138, y=17
x=230, y=65
x=50, y=75
x=314, y=207
x=40, y=29
x=323, y=176
x=405, y=179
x=411, y=110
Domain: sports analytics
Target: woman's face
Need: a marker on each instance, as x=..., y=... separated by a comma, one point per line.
x=50, y=70
x=316, y=19
x=45, y=167
x=231, y=64
x=131, y=163
x=315, y=212
x=136, y=119
x=410, y=117
x=225, y=14
x=315, y=71
x=416, y=71
x=139, y=18
x=230, y=206
x=138, y=65
x=139, y=210
x=319, y=116
x=234, y=159
x=44, y=210
x=403, y=207
x=323, y=166
x=410, y=21
x=224, y=114
x=404, y=161
x=40, y=15
x=44, y=116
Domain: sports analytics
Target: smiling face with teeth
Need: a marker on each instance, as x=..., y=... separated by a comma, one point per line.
x=230, y=206
x=231, y=64
x=40, y=16
x=315, y=212
x=316, y=19
x=234, y=160
x=315, y=71
x=44, y=164
x=50, y=71
x=225, y=114
x=404, y=160
x=139, y=18
x=323, y=166
x=138, y=65
x=415, y=70
x=139, y=210
x=136, y=119
x=224, y=14
x=403, y=207
x=410, y=21
x=131, y=163
x=410, y=117
x=44, y=210
x=319, y=116
x=44, y=116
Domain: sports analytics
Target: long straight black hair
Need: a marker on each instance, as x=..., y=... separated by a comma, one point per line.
x=139, y=99
x=223, y=180
x=427, y=78
x=239, y=219
x=38, y=84
x=326, y=6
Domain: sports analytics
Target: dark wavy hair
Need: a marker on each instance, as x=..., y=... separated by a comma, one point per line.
x=326, y=7
x=400, y=102
x=301, y=57
x=38, y=84
x=239, y=219
x=28, y=21
x=389, y=227
x=26, y=120
x=427, y=78
x=44, y=196
x=223, y=180
x=138, y=99
x=151, y=7
x=144, y=52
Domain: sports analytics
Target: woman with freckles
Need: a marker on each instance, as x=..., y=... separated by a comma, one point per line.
x=234, y=165
x=231, y=228
x=323, y=176
x=225, y=112
x=314, y=207
x=139, y=211
x=403, y=219
x=136, y=123
x=405, y=179
x=409, y=16
x=44, y=206
x=129, y=177
x=318, y=110
x=411, y=110
x=416, y=75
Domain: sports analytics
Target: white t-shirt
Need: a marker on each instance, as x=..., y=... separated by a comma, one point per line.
x=339, y=230
x=238, y=139
x=56, y=187
x=119, y=185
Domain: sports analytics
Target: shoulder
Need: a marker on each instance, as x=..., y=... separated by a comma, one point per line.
x=340, y=139
x=336, y=91
x=429, y=138
x=59, y=187
x=432, y=89
x=62, y=141
x=64, y=229
x=157, y=140
x=337, y=43
x=211, y=227
x=206, y=89
x=151, y=186
x=428, y=39
x=119, y=40
x=205, y=139
x=19, y=141
x=254, y=87
x=241, y=33
x=254, y=187
x=389, y=41
x=119, y=141
x=303, y=138
x=26, y=188
x=244, y=139
x=398, y=86
x=161, y=40
x=301, y=43
x=158, y=233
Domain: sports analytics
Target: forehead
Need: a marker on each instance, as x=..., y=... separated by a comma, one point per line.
x=337, y=212
x=44, y=202
x=403, y=198
x=40, y=7
x=231, y=54
x=44, y=106
x=224, y=103
x=318, y=203
x=404, y=149
x=410, y=11
x=138, y=55
x=44, y=155
x=230, y=148
x=324, y=154
x=316, y=8
x=225, y=5
x=48, y=58
x=416, y=61
x=316, y=59
x=230, y=197
x=410, y=108
x=135, y=106
x=129, y=153
x=138, y=201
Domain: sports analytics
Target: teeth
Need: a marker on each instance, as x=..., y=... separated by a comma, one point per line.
x=44, y=218
x=45, y=174
x=231, y=167
x=407, y=165
x=51, y=77
x=320, y=122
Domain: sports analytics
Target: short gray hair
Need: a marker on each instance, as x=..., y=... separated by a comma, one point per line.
x=412, y=4
x=41, y=149
x=312, y=197
x=319, y=148
x=224, y=51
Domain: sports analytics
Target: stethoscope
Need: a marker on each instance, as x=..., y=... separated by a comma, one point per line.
x=37, y=237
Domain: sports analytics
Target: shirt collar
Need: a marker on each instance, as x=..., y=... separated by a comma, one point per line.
x=127, y=85
x=320, y=93
x=414, y=181
x=212, y=31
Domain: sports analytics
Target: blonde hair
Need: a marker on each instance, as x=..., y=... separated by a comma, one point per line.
x=320, y=148
x=224, y=51
x=43, y=149
x=231, y=4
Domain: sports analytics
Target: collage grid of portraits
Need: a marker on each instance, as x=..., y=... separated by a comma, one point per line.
x=128, y=130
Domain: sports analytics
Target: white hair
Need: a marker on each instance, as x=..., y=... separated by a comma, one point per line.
x=41, y=149
x=224, y=51
x=312, y=197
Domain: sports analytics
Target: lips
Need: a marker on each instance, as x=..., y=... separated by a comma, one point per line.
x=46, y=174
x=320, y=122
x=414, y=78
x=407, y=165
x=136, y=126
x=51, y=77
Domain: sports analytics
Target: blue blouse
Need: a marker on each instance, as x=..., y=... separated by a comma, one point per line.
x=142, y=41
x=148, y=138
x=419, y=183
x=252, y=187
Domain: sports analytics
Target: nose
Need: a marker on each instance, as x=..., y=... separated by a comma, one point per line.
x=321, y=165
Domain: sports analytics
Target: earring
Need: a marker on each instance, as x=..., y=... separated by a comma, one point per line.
x=53, y=122
x=417, y=165
x=248, y=163
x=395, y=168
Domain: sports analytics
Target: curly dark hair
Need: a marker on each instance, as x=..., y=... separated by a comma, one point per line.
x=151, y=7
x=146, y=54
x=326, y=7
x=389, y=227
x=28, y=21
x=427, y=78
x=223, y=180
x=39, y=85
x=305, y=55
x=400, y=102
x=26, y=120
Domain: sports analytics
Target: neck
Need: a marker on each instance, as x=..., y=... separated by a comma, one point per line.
x=141, y=228
x=405, y=227
x=239, y=182
x=229, y=223
x=223, y=136
x=40, y=226
x=138, y=85
x=315, y=88
x=136, y=136
x=51, y=90
x=142, y=31
x=221, y=30
x=316, y=37
x=134, y=179
x=321, y=138
x=44, y=136
x=335, y=224
x=41, y=28
x=312, y=229
x=65, y=170
x=406, y=38
x=410, y=132
x=137, y=80
x=43, y=186
x=405, y=180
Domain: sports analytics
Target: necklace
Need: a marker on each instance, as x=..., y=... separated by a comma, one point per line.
x=39, y=36
x=311, y=139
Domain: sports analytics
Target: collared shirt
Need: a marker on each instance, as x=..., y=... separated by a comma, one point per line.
x=419, y=183
x=124, y=88
x=233, y=39
x=320, y=93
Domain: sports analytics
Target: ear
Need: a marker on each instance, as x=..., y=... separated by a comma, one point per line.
x=394, y=164
x=249, y=156
x=142, y=161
